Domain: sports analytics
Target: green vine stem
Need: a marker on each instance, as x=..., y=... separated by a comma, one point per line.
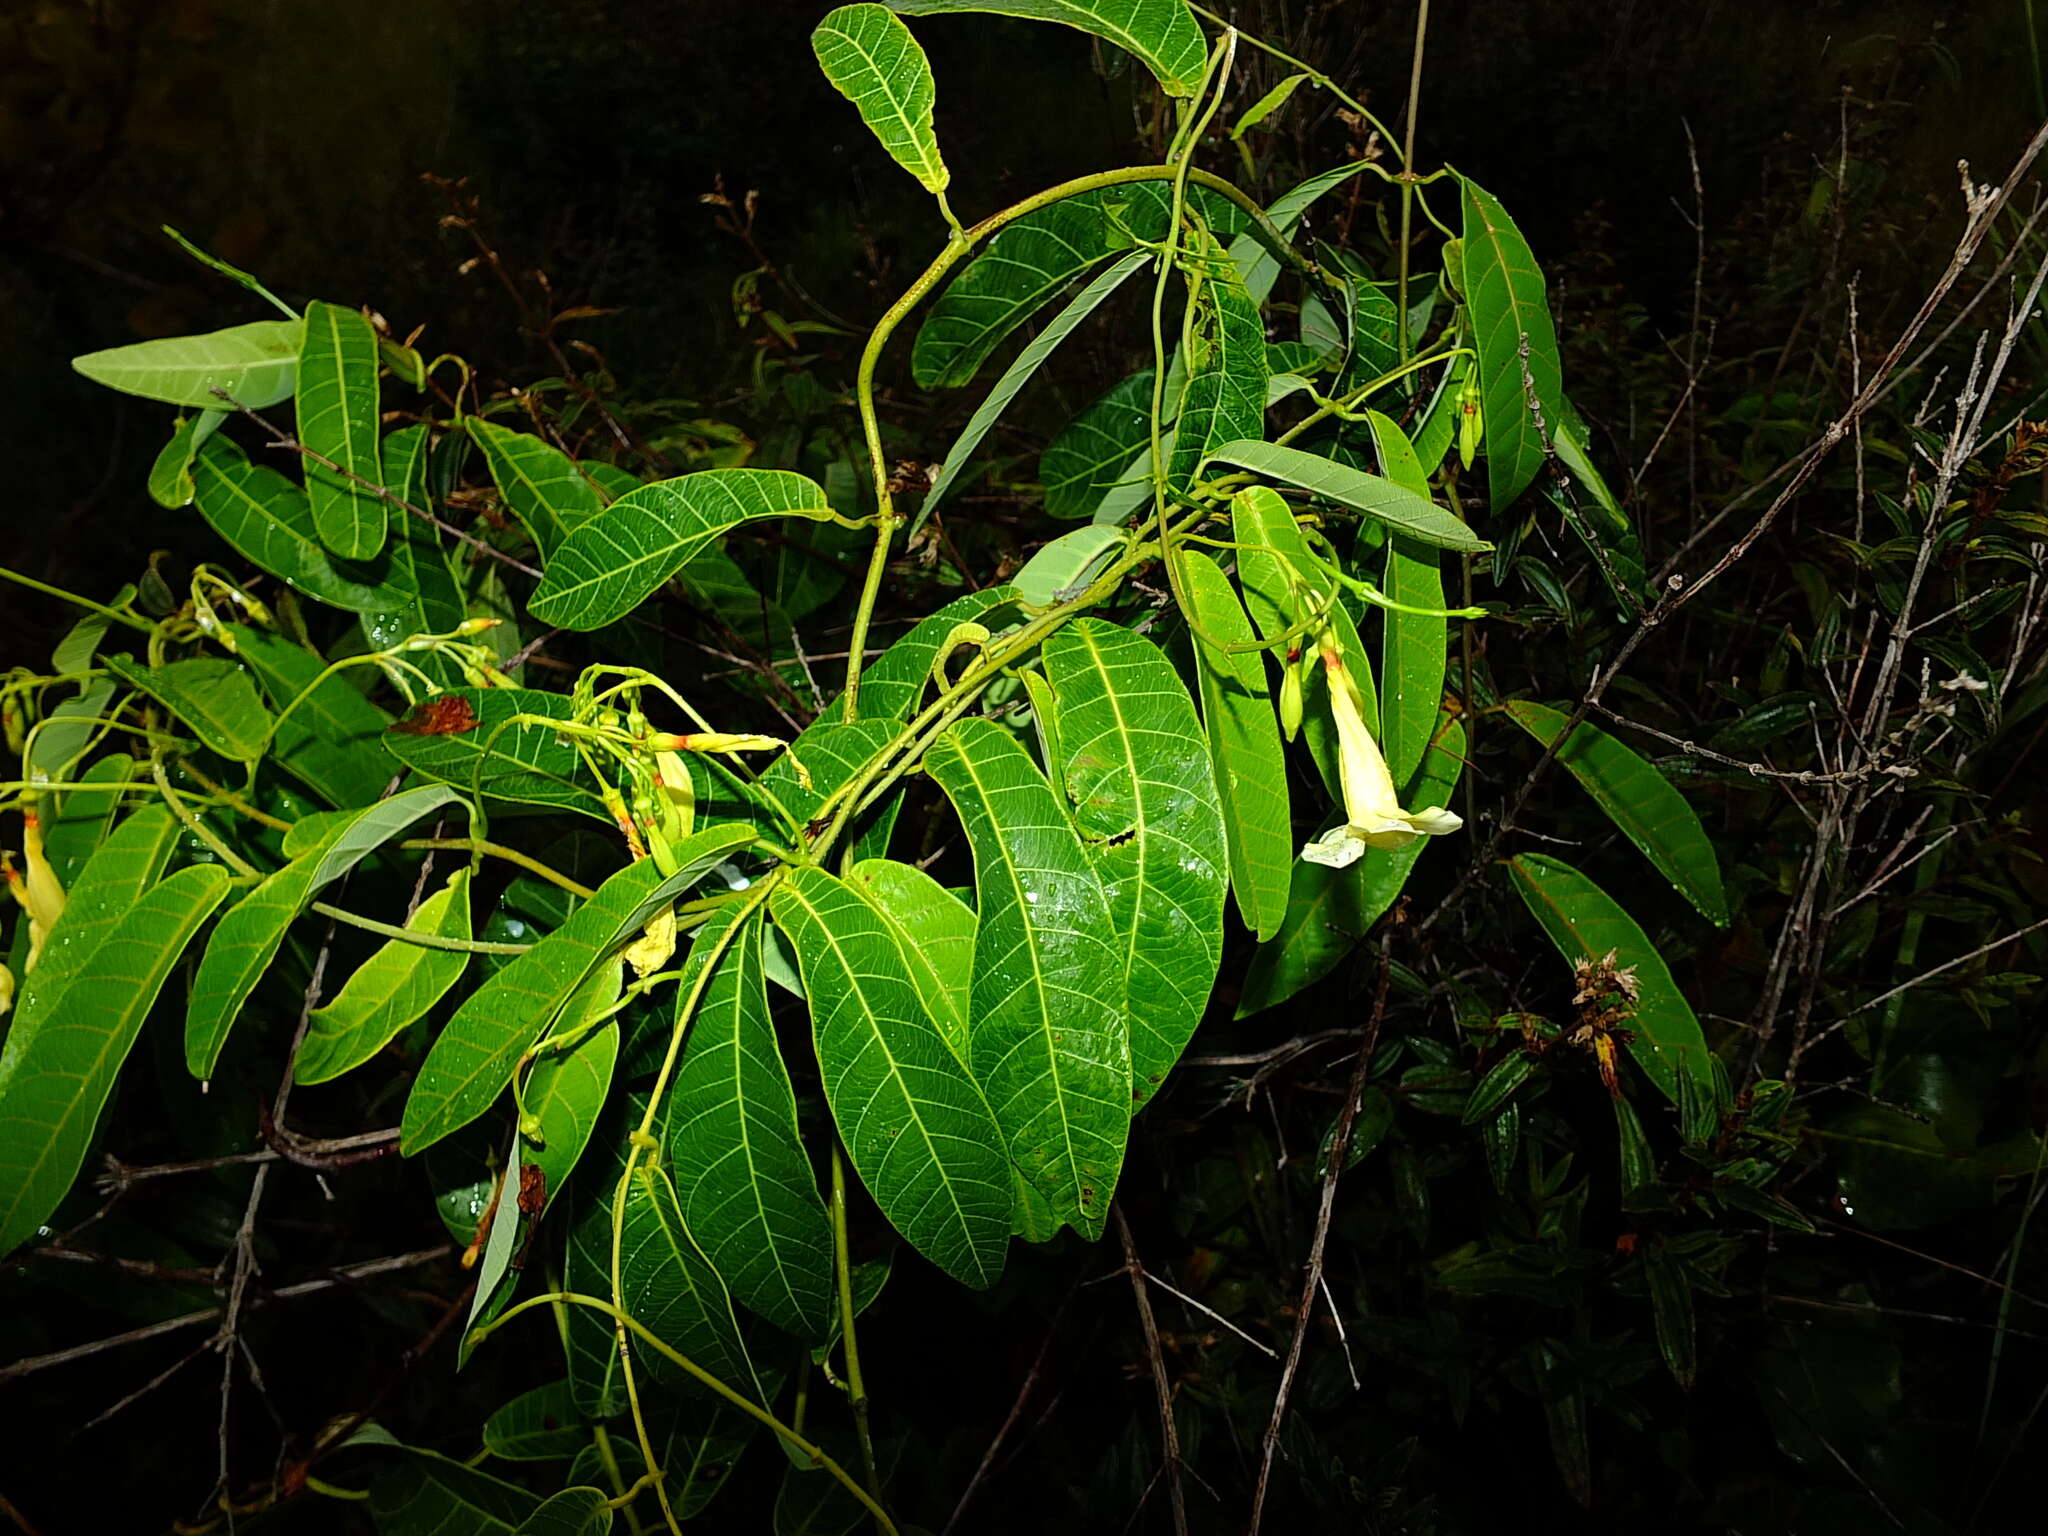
x=746, y=1405
x=856, y=1391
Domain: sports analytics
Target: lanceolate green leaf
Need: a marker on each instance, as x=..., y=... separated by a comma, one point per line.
x=253, y=365
x=1160, y=34
x=749, y=1193
x=565, y=1092
x=170, y=477
x=1225, y=398
x=337, y=412
x=1415, y=645
x=245, y=940
x=419, y=563
x=500, y=761
x=1639, y=800
x=75, y=831
x=915, y=1123
x=1049, y=1039
x=329, y=740
x=935, y=930
x=1029, y=261
x=1019, y=373
x=266, y=518
x=873, y=61
x=1135, y=767
x=1244, y=746
x=1063, y=568
x=613, y=562
x=1516, y=342
x=211, y=696
x=51, y=1099
x=1585, y=923
x=1329, y=910
x=393, y=988
x=1391, y=504
x=669, y=1285
x=1090, y=454
x=474, y=1057
x=540, y=483
x=113, y=880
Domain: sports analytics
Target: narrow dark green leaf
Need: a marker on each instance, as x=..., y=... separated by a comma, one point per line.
x=213, y=697
x=1517, y=346
x=80, y=824
x=611, y=564
x=1414, y=646
x=1090, y=453
x=248, y=936
x=1639, y=800
x=419, y=564
x=935, y=930
x=54, y=1083
x=1494, y=1089
x=329, y=738
x=541, y=484
x=474, y=1058
x=1160, y=34
x=915, y=1123
x=1389, y=503
x=1671, y=1308
x=267, y=520
x=1049, y=1040
x=1135, y=766
x=873, y=61
x=393, y=988
x=1584, y=922
x=1244, y=746
x=1225, y=398
x=253, y=365
x=337, y=413
x=497, y=760
x=749, y=1193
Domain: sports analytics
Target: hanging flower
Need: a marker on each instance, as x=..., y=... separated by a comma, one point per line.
x=1373, y=817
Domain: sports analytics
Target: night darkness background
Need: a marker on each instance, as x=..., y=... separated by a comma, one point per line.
x=310, y=141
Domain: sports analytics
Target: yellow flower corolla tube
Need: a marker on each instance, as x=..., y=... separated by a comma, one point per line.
x=1373, y=817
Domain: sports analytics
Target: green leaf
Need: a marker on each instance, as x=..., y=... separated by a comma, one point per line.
x=750, y=1197
x=1510, y=317
x=69, y=729
x=1383, y=500
x=528, y=763
x=247, y=938
x=1160, y=34
x=1032, y=259
x=475, y=1056
x=540, y=1425
x=703, y=1450
x=572, y=1512
x=915, y=1123
x=1225, y=397
x=1266, y=106
x=833, y=751
x=892, y=687
x=873, y=61
x=337, y=413
x=1585, y=923
x=1261, y=268
x=1329, y=910
x=418, y=562
x=1671, y=1310
x=267, y=520
x=54, y=1083
x=1244, y=746
x=393, y=988
x=79, y=825
x=1062, y=569
x=1639, y=800
x=935, y=930
x=170, y=477
x=1049, y=1041
x=543, y=486
x=213, y=696
x=1019, y=373
x=566, y=1090
x=425, y=1494
x=1135, y=767
x=329, y=739
x=1079, y=466
x=253, y=365
x=611, y=564
x=1414, y=646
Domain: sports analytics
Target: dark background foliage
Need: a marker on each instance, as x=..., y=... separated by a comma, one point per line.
x=1847, y=1378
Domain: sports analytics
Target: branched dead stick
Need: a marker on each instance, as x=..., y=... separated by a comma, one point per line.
x=1304, y=1312
x=1169, y=1431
